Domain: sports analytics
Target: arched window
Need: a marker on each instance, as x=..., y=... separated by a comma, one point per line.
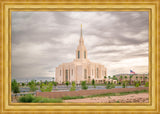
x=66, y=75
x=78, y=54
x=84, y=54
x=85, y=73
x=97, y=72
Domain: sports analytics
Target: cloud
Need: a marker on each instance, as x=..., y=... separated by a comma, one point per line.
x=43, y=40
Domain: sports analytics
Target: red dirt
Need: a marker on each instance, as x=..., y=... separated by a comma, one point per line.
x=87, y=92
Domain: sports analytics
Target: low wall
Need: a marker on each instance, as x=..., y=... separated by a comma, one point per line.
x=87, y=92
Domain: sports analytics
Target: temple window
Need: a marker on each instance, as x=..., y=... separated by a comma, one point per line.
x=60, y=72
x=66, y=75
x=97, y=72
x=85, y=73
x=78, y=54
x=72, y=71
x=84, y=54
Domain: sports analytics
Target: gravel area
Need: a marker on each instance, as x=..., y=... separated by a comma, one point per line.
x=130, y=98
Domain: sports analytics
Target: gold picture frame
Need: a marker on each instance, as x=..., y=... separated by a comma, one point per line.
x=153, y=7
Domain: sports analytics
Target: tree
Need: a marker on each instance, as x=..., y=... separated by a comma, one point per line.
x=93, y=83
x=37, y=83
x=89, y=78
x=46, y=87
x=67, y=83
x=141, y=79
x=114, y=77
x=109, y=77
x=53, y=79
x=130, y=77
x=84, y=86
x=46, y=82
x=145, y=78
x=32, y=86
x=121, y=77
x=73, y=88
x=105, y=79
x=125, y=77
x=23, y=84
x=15, y=87
x=55, y=84
x=137, y=78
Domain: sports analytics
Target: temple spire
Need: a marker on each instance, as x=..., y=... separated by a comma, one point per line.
x=81, y=30
x=81, y=41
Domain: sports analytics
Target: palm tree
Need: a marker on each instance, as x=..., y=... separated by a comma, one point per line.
x=89, y=78
x=109, y=77
x=114, y=77
x=35, y=81
x=125, y=77
x=53, y=79
x=145, y=78
x=141, y=78
x=105, y=78
x=121, y=77
x=130, y=79
x=67, y=83
x=137, y=78
x=55, y=84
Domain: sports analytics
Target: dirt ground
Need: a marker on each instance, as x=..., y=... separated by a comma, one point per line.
x=87, y=92
x=131, y=98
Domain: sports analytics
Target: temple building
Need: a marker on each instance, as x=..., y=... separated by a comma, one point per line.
x=81, y=69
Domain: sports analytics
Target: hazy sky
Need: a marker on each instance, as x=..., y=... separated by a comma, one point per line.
x=43, y=40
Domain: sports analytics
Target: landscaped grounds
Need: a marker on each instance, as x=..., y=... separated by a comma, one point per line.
x=52, y=92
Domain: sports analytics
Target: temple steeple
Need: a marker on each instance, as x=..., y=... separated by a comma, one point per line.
x=81, y=52
x=81, y=41
x=81, y=30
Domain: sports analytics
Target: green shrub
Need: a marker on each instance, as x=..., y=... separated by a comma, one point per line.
x=32, y=86
x=32, y=99
x=110, y=86
x=137, y=84
x=47, y=100
x=93, y=83
x=46, y=88
x=84, y=86
x=73, y=88
x=14, y=86
x=27, y=98
x=67, y=83
x=123, y=85
x=72, y=97
x=146, y=84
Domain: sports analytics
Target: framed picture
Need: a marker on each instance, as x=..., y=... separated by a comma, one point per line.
x=79, y=56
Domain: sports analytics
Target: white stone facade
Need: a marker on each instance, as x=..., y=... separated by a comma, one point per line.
x=81, y=69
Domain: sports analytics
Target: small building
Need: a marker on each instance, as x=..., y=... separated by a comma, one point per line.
x=135, y=77
x=81, y=69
